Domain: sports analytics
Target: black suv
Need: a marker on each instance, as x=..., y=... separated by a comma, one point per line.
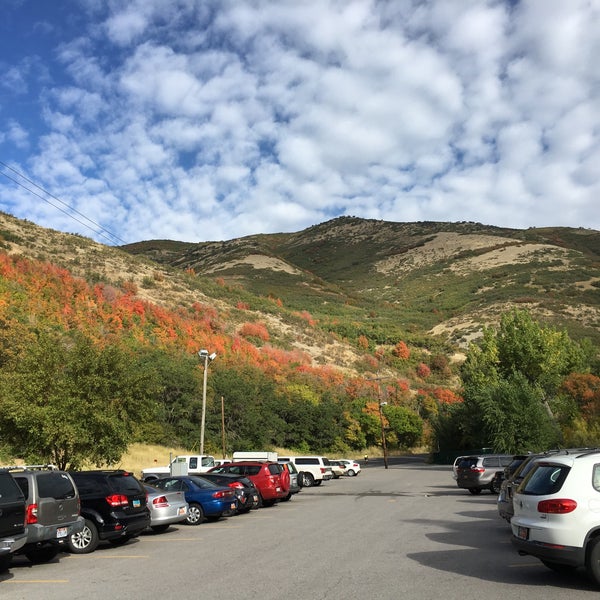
x=114, y=506
x=12, y=519
x=52, y=510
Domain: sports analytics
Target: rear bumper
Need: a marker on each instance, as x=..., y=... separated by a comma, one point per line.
x=562, y=555
x=130, y=526
x=56, y=533
x=10, y=545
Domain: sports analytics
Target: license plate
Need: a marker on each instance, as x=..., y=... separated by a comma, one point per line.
x=61, y=532
x=255, y=498
x=136, y=503
x=523, y=533
x=233, y=506
x=181, y=511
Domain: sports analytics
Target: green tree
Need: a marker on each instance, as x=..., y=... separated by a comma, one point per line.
x=405, y=426
x=68, y=401
x=509, y=379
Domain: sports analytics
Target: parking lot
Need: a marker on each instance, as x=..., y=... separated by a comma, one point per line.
x=407, y=531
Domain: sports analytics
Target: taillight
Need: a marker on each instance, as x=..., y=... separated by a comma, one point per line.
x=323, y=470
x=223, y=494
x=160, y=502
x=116, y=500
x=31, y=516
x=477, y=469
x=560, y=506
x=235, y=484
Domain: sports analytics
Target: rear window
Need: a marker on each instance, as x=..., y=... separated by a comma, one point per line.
x=467, y=462
x=546, y=479
x=125, y=484
x=9, y=490
x=55, y=485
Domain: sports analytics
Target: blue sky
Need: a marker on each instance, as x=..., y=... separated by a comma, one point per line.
x=201, y=120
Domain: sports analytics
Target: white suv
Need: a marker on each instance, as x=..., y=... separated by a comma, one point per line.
x=312, y=470
x=557, y=512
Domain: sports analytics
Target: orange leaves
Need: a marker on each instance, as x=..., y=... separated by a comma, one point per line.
x=254, y=330
x=401, y=351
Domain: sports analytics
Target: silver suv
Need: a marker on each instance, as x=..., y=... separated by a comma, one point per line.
x=476, y=473
x=51, y=507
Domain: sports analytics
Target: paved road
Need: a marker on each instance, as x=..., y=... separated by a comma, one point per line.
x=405, y=532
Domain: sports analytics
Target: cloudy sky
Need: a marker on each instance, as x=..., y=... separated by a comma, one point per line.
x=196, y=120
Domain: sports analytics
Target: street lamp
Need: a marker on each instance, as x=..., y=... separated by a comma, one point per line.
x=206, y=357
x=383, y=443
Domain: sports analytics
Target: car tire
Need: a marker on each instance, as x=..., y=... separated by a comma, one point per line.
x=475, y=491
x=307, y=479
x=41, y=555
x=120, y=541
x=558, y=567
x=287, y=498
x=318, y=482
x=350, y=473
x=5, y=562
x=495, y=488
x=160, y=528
x=592, y=560
x=85, y=541
x=195, y=514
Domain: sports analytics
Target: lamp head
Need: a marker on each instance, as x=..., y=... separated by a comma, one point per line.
x=203, y=353
x=212, y=356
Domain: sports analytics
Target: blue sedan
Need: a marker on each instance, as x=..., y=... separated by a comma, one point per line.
x=205, y=499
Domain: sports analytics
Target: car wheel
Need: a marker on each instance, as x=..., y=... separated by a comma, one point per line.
x=350, y=473
x=495, y=487
x=318, y=482
x=120, y=541
x=85, y=541
x=41, y=555
x=475, y=491
x=5, y=562
x=159, y=528
x=592, y=560
x=195, y=514
x=307, y=479
x=559, y=568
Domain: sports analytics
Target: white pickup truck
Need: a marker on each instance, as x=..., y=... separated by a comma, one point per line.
x=185, y=464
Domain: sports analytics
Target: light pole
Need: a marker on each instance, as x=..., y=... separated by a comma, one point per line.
x=206, y=357
x=383, y=443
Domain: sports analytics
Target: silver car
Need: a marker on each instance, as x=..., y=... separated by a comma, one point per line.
x=166, y=508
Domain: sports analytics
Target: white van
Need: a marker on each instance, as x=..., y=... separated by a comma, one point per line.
x=257, y=456
x=312, y=470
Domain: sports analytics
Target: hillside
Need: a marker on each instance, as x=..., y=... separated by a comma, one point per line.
x=408, y=279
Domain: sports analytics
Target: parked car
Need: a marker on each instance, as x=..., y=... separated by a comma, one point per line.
x=455, y=465
x=556, y=512
x=206, y=499
x=166, y=508
x=352, y=467
x=270, y=478
x=114, y=508
x=337, y=468
x=13, y=535
x=52, y=510
x=243, y=488
x=312, y=470
x=500, y=476
x=295, y=484
x=475, y=473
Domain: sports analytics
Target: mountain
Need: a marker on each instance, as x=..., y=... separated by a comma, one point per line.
x=390, y=281
x=347, y=286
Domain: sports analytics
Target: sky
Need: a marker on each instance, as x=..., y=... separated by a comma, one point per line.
x=208, y=120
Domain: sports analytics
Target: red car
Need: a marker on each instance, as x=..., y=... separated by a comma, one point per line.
x=270, y=478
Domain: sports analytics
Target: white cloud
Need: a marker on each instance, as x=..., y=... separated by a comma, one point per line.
x=204, y=119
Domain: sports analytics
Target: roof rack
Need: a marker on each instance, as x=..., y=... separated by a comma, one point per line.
x=48, y=467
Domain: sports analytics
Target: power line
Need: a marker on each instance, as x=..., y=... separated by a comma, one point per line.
x=101, y=231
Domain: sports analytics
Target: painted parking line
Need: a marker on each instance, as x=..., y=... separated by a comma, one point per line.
x=34, y=581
